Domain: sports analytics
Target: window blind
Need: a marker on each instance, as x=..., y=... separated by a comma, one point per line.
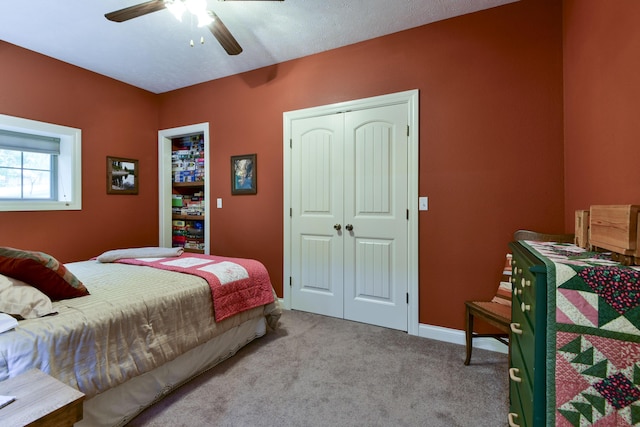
x=19, y=141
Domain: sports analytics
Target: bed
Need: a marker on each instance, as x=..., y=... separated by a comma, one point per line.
x=139, y=331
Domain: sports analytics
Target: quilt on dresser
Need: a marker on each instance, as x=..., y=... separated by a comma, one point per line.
x=136, y=319
x=593, y=338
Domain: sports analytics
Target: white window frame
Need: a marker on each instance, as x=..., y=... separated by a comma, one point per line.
x=69, y=165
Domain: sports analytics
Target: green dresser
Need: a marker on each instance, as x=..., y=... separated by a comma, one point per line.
x=575, y=338
x=527, y=383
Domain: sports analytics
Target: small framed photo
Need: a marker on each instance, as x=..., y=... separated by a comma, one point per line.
x=122, y=176
x=244, y=174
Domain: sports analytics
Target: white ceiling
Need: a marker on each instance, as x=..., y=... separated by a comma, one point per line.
x=152, y=52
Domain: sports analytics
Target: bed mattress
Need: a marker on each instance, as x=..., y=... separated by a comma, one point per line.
x=136, y=319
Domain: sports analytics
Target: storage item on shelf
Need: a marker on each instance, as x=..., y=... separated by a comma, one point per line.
x=187, y=160
x=188, y=199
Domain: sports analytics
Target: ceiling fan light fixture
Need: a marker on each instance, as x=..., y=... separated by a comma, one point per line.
x=196, y=7
x=204, y=19
x=176, y=7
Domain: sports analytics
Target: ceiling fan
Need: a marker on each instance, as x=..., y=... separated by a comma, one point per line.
x=178, y=7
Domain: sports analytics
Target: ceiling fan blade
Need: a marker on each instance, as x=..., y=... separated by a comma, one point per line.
x=135, y=11
x=223, y=35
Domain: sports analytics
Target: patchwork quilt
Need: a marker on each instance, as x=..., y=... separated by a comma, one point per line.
x=593, y=338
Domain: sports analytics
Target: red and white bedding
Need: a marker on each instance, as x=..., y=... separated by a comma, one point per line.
x=237, y=284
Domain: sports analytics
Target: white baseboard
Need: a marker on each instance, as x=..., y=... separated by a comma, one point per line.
x=456, y=336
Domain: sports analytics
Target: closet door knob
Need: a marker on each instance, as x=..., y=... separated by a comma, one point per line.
x=349, y=227
x=337, y=227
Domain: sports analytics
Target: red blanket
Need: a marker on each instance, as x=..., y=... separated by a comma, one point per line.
x=237, y=284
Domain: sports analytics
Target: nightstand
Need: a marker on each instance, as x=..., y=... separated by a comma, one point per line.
x=41, y=400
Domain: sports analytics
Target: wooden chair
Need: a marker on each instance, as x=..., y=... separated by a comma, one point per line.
x=497, y=312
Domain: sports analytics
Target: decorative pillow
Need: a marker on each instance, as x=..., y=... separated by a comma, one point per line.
x=41, y=271
x=19, y=299
x=503, y=294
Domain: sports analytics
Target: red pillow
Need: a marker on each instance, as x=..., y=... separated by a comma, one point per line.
x=42, y=271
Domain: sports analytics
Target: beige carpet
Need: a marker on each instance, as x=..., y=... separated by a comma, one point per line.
x=320, y=371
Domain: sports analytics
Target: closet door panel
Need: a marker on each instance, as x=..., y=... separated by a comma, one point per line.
x=316, y=194
x=375, y=206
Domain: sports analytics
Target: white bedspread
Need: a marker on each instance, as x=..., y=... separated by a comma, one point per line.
x=135, y=319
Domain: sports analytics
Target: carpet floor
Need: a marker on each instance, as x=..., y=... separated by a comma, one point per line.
x=321, y=371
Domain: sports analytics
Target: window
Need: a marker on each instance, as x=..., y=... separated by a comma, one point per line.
x=28, y=166
x=40, y=166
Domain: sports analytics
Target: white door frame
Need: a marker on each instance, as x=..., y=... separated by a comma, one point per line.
x=164, y=181
x=411, y=99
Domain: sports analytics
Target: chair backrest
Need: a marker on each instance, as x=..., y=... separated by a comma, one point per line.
x=503, y=294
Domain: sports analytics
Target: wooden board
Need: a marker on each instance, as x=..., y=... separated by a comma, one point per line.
x=582, y=229
x=615, y=228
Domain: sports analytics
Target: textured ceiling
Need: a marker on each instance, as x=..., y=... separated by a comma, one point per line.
x=152, y=52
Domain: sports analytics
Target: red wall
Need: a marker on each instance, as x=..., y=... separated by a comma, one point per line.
x=490, y=110
x=491, y=156
x=116, y=120
x=602, y=104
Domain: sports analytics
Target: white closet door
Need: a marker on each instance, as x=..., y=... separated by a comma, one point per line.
x=317, y=207
x=349, y=228
x=375, y=209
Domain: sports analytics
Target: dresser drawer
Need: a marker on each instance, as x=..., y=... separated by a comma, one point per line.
x=515, y=406
x=524, y=289
x=522, y=388
x=523, y=343
x=528, y=348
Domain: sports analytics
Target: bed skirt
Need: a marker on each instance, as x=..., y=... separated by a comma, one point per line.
x=119, y=405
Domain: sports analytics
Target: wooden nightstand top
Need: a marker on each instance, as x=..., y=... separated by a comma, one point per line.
x=40, y=400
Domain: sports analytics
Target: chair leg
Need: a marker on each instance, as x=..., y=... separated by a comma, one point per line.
x=469, y=335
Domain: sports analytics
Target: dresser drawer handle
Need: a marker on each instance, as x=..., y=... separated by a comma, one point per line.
x=525, y=307
x=517, y=291
x=515, y=328
x=513, y=374
x=512, y=418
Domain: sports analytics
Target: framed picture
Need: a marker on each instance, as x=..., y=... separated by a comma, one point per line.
x=122, y=176
x=244, y=174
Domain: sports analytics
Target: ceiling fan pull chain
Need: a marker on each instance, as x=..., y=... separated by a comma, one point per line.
x=191, y=43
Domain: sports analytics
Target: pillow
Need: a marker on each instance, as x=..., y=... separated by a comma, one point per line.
x=19, y=299
x=41, y=271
